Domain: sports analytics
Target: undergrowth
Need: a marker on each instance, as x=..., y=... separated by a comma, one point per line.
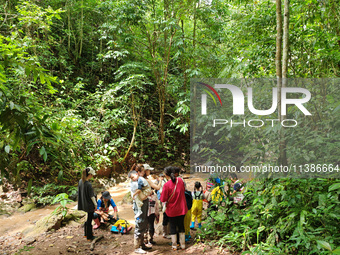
x=281, y=216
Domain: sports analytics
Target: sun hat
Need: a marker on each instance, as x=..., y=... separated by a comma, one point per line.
x=147, y=167
x=106, y=195
x=90, y=170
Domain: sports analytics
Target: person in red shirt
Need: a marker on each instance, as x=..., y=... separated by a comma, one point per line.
x=173, y=194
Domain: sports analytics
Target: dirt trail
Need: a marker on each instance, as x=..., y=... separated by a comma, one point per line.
x=69, y=239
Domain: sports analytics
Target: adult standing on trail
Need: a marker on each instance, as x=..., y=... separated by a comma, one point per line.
x=162, y=180
x=141, y=222
x=86, y=200
x=153, y=203
x=173, y=195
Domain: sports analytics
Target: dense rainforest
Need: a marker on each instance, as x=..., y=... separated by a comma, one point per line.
x=107, y=83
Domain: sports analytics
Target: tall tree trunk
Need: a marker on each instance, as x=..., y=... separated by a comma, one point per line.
x=278, y=44
x=162, y=114
x=193, y=116
x=69, y=27
x=161, y=86
x=81, y=28
x=285, y=40
x=194, y=29
x=283, y=145
x=135, y=124
x=278, y=62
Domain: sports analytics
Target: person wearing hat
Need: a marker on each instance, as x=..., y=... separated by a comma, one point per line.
x=87, y=201
x=102, y=213
x=147, y=170
x=140, y=207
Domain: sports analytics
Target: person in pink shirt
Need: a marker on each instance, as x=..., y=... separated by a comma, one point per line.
x=173, y=194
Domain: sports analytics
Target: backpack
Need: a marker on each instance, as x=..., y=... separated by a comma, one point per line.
x=188, y=198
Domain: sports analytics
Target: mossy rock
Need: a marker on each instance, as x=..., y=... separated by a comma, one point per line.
x=27, y=208
x=72, y=223
x=7, y=209
x=48, y=223
x=74, y=215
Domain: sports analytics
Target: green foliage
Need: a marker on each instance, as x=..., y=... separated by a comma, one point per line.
x=25, y=248
x=289, y=216
x=46, y=195
x=63, y=199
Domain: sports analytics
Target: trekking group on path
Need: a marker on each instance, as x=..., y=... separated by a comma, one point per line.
x=180, y=207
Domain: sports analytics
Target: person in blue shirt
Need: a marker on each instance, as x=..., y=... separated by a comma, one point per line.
x=102, y=212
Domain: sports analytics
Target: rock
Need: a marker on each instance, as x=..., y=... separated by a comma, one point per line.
x=29, y=240
x=127, y=199
x=8, y=208
x=27, y=200
x=74, y=215
x=27, y=207
x=48, y=223
x=72, y=223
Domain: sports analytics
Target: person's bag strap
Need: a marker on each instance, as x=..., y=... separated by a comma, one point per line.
x=174, y=190
x=198, y=196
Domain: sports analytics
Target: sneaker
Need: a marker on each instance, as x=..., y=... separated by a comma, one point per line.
x=152, y=242
x=167, y=236
x=140, y=251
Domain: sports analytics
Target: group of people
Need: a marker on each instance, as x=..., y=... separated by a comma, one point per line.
x=171, y=191
x=180, y=207
x=167, y=193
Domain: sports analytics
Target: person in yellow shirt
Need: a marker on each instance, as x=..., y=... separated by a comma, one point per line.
x=216, y=196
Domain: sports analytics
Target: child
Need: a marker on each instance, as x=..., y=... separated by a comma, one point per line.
x=142, y=192
x=197, y=206
x=103, y=205
x=153, y=214
x=216, y=194
x=207, y=192
x=238, y=196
